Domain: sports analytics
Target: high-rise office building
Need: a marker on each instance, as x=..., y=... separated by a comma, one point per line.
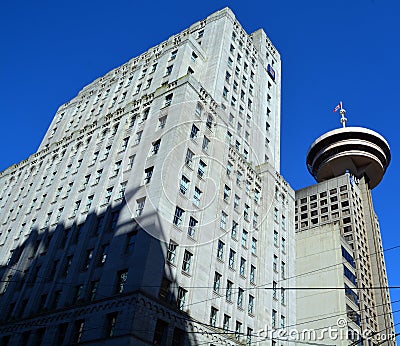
x=338, y=240
x=153, y=211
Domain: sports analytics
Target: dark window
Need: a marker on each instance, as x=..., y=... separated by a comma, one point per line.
x=61, y=331
x=160, y=333
x=164, y=289
x=122, y=276
x=178, y=338
x=111, y=321
x=130, y=242
x=77, y=332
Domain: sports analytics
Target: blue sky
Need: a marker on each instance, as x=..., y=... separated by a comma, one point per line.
x=331, y=51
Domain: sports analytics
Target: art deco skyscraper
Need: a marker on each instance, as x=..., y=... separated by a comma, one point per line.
x=338, y=240
x=153, y=211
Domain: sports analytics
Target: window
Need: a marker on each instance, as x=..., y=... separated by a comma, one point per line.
x=161, y=122
x=201, y=169
x=93, y=289
x=76, y=208
x=140, y=205
x=196, y=196
x=213, y=316
x=283, y=300
x=121, y=190
x=236, y=201
x=227, y=77
x=283, y=267
x=189, y=158
x=111, y=321
x=194, y=132
x=274, y=290
x=223, y=220
x=225, y=92
x=229, y=167
x=242, y=267
x=229, y=288
x=171, y=252
x=240, y=298
x=238, y=178
x=184, y=185
x=228, y=137
x=138, y=87
x=246, y=212
x=226, y=323
x=209, y=121
x=255, y=220
x=153, y=68
x=107, y=152
x=155, y=147
x=205, y=144
x=234, y=229
x=187, y=260
x=274, y=313
x=199, y=109
x=160, y=333
x=275, y=263
x=148, y=173
x=98, y=176
x=253, y=246
x=107, y=197
x=88, y=204
x=178, y=216
x=232, y=254
x=165, y=289
x=138, y=137
x=78, y=330
x=78, y=295
x=85, y=182
x=250, y=309
x=192, y=226
x=217, y=282
x=167, y=73
x=227, y=193
x=130, y=242
x=181, y=298
x=220, y=249
x=283, y=244
x=238, y=330
x=194, y=56
x=244, y=238
x=252, y=274
x=275, y=238
x=282, y=321
x=88, y=259
x=122, y=277
x=104, y=254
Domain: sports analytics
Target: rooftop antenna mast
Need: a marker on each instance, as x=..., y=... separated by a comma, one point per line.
x=342, y=112
x=343, y=119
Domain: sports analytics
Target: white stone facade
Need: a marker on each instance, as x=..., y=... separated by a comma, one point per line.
x=153, y=210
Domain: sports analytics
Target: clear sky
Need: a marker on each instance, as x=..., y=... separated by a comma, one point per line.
x=331, y=50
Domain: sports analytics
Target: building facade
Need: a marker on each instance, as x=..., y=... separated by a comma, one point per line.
x=337, y=227
x=153, y=211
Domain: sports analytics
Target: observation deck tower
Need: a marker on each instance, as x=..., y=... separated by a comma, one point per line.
x=356, y=150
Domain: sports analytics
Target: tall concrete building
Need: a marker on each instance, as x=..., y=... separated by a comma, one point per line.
x=338, y=240
x=153, y=211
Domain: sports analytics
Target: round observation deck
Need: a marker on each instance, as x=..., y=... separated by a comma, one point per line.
x=357, y=150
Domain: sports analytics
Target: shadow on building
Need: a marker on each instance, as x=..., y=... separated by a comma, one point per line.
x=103, y=281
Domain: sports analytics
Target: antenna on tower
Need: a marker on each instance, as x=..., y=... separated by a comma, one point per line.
x=343, y=119
x=342, y=112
